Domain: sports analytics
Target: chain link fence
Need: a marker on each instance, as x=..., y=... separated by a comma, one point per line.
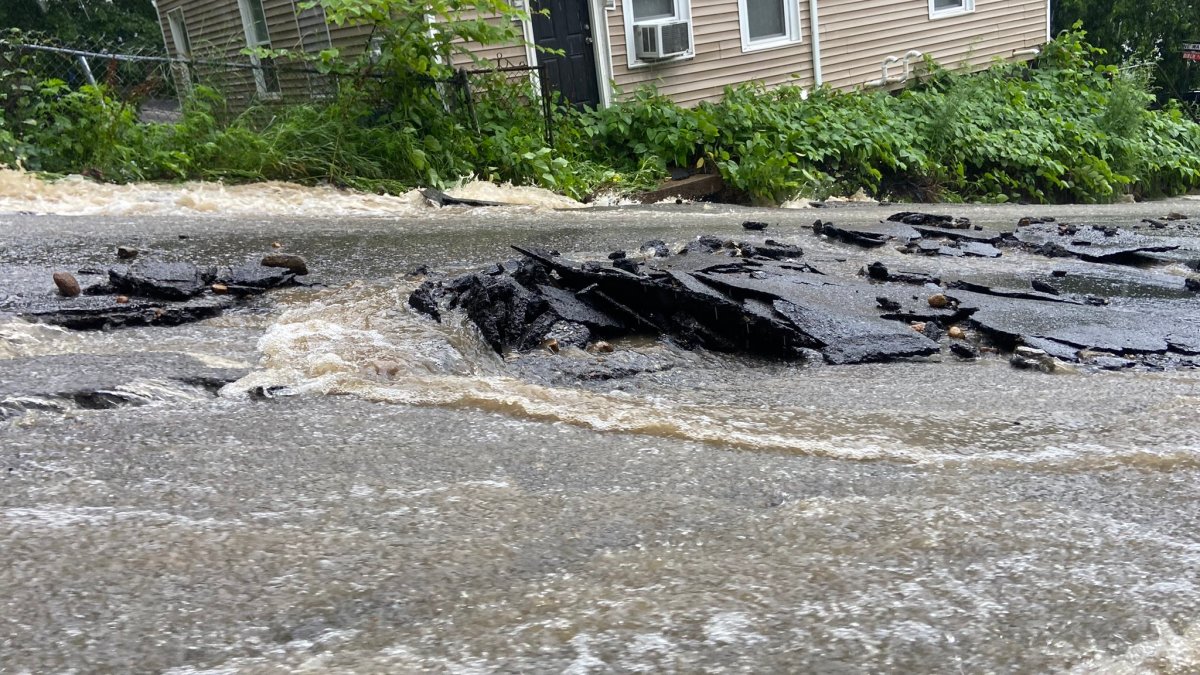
x=155, y=84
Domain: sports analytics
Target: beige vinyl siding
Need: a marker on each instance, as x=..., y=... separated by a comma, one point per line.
x=719, y=59
x=216, y=33
x=856, y=35
x=492, y=56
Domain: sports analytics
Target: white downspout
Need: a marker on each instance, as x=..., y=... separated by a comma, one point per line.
x=815, y=28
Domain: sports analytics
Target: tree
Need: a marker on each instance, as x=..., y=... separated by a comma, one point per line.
x=115, y=25
x=419, y=37
x=1153, y=31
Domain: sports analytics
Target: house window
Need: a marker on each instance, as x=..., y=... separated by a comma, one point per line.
x=674, y=15
x=941, y=8
x=254, y=22
x=179, y=34
x=183, y=49
x=769, y=23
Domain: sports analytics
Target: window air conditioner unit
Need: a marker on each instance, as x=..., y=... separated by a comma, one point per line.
x=656, y=41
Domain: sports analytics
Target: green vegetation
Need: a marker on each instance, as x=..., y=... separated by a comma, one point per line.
x=1141, y=31
x=1063, y=129
x=125, y=26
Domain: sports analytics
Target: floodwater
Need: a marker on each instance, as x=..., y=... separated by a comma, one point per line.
x=378, y=493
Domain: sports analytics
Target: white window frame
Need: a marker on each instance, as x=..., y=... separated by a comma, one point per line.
x=183, y=45
x=683, y=12
x=260, y=80
x=967, y=7
x=791, y=25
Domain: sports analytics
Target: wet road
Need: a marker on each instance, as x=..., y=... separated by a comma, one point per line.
x=725, y=515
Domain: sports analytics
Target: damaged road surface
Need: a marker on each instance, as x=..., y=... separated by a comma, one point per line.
x=762, y=298
x=763, y=302
x=159, y=293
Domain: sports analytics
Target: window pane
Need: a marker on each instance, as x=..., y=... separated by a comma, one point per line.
x=270, y=77
x=261, y=36
x=766, y=19
x=947, y=4
x=653, y=9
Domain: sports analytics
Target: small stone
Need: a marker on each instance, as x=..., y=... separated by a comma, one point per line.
x=918, y=326
x=964, y=350
x=601, y=347
x=292, y=263
x=1058, y=273
x=887, y=304
x=127, y=252
x=656, y=247
x=957, y=333
x=1060, y=367
x=1192, y=284
x=68, y=287
x=754, y=225
x=938, y=301
x=1030, y=352
x=1024, y=363
x=219, y=289
x=1043, y=287
x=628, y=264
x=616, y=255
x=1175, y=215
x=121, y=299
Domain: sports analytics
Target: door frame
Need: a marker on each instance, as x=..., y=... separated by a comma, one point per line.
x=601, y=48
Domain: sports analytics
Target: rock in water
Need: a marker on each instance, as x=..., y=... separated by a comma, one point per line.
x=964, y=350
x=754, y=225
x=162, y=280
x=68, y=287
x=656, y=247
x=293, y=263
x=127, y=252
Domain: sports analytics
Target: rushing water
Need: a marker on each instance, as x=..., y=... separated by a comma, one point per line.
x=404, y=499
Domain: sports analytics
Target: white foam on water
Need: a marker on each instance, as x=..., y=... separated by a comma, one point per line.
x=20, y=339
x=1168, y=653
x=64, y=516
x=517, y=195
x=79, y=196
x=732, y=628
x=363, y=340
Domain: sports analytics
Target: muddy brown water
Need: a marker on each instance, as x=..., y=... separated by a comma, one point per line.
x=407, y=503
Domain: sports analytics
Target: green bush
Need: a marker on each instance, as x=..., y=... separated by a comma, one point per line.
x=1063, y=129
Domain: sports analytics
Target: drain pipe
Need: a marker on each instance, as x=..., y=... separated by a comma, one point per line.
x=884, y=78
x=908, y=61
x=815, y=28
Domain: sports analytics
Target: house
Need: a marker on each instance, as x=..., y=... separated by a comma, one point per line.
x=689, y=49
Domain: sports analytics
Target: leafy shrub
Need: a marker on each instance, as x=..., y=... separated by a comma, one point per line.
x=1064, y=129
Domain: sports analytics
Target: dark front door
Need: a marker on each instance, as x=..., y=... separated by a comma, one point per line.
x=568, y=27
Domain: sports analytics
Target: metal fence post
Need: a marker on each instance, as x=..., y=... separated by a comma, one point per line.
x=87, y=70
x=547, y=105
